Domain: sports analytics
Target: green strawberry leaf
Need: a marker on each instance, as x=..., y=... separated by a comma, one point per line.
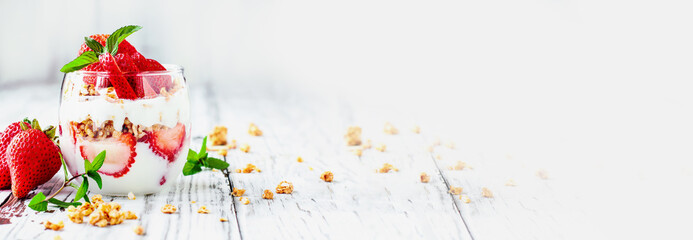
x=63, y=204
x=118, y=36
x=94, y=45
x=50, y=132
x=80, y=62
x=97, y=178
x=82, y=191
x=87, y=166
x=191, y=168
x=98, y=161
x=203, y=149
x=37, y=203
x=216, y=163
x=35, y=124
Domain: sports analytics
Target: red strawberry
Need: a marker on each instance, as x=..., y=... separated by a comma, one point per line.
x=128, y=67
x=33, y=159
x=91, y=79
x=167, y=142
x=120, y=153
x=157, y=82
x=123, y=47
x=119, y=82
x=5, y=139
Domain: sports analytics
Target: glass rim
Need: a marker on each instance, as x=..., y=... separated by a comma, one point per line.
x=170, y=69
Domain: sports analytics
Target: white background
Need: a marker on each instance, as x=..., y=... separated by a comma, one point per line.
x=595, y=91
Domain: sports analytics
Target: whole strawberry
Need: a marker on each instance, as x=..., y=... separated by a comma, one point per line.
x=6, y=137
x=33, y=158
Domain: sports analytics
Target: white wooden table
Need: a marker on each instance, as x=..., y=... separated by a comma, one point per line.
x=358, y=204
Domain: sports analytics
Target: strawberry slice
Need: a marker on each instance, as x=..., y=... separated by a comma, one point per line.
x=167, y=142
x=128, y=67
x=144, y=64
x=119, y=82
x=120, y=153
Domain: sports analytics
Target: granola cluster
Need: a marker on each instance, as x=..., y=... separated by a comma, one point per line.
x=425, y=178
x=285, y=187
x=327, y=176
x=455, y=190
x=245, y=148
x=218, y=136
x=254, y=130
x=485, y=192
x=87, y=129
x=248, y=169
x=54, y=226
x=245, y=200
x=459, y=166
x=387, y=168
x=168, y=209
x=88, y=90
x=353, y=136
x=203, y=210
x=390, y=129
x=237, y=192
x=100, y=213
x=381, y=147
x=267, y=194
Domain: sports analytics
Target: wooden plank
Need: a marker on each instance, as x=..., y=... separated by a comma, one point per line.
x=358, y=204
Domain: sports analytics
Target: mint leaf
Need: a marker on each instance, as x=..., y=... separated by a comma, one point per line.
x=192, y=156
x=80, y=62
x=37, y=203
x=216, y=163
x=82, y=191
x=118, y=36
x=87, y=166
x=98, y=161
x=63, y=204
x=93, y=44
x=97, y=178
x=203, y=149
x=191, y=168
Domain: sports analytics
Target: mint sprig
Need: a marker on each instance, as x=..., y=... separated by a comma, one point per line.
x=118, y=36
x=195, y=161
x=89, y=57
x=40, y=202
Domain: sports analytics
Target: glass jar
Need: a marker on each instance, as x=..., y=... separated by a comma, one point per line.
x=141, y=120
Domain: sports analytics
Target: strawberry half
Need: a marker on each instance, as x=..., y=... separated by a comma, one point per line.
x=167, y=142
x=6, y=137
x=123, y=47
x=33, y=159
x=120, y=153
x=117, y=79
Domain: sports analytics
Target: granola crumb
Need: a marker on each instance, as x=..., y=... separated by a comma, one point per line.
x=54, y=226
x=357, y=152
x=416, y=129
x=425, y=178
x=254, y=130
x=249, y=168
x=245, y=200
x=353, y=136
x=390, y=129
x=130, y=215
x=237, y=192
x=238, y=170
x=367, y=145
x=168, y=209
x=465, y=199
x=450, y=145
x=386, y=168
x=139, y=230
x=223, y=152
x=510, y=183
x=299, y=159
x=381, y=147
x=310, y=168
x=460, y=165
x=267, y=194
x=439, y=157
x=193, y=201
x=543, y=174
x=327, y=176
x=455, y=190
x=223, y=219
x=131, y=196
x=485, y=192
x=203, y=209
x=214, y=170
x=285, y=187
x=232, y=145
x=429, y=148
x=436, y=142
x=57, y=237
x=218, y=135
x=245, y=148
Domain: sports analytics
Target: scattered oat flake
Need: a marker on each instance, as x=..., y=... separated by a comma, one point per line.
x=353, y=136
x=455, y=190
x=485, y=192
x=254, y=130
x=327, y=176
x=368, y=144
x=465, y=199
x=416, y=129
x=285, y=187
x=203, y=209
x=267, y=194
x=237, y=192
x=249, y=168
x=139, y=230
x=131, y=196
x=387, y=168
x=425, y=178
x=54, y=226
x=223, y=219
x=357, y=152
x=299, y=159
x=510, y=183
x=390, y=129
x=168, y=209
x=543, y=174
x=460, y=165
x=245, y=148
x=382, y=147
x=245, y=200
x=218, y=136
